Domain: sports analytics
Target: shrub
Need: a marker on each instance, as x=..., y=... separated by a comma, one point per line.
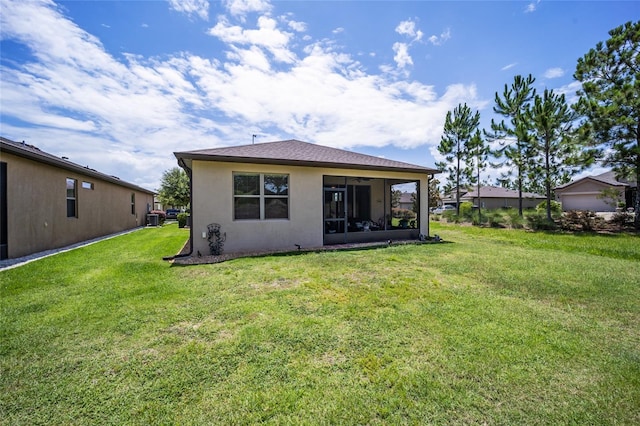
x=556, y=207
x=403, y=213
x=576, y=220
x=451, y=216
x=182, y=219
x=466, y=210
x=538, y=221
x=494, y=218
x=514, y=220
x=162, y=216
x=620, y=219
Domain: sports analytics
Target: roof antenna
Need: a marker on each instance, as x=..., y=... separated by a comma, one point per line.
x=253, y=140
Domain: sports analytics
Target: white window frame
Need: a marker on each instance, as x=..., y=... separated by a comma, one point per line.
x=74, y=198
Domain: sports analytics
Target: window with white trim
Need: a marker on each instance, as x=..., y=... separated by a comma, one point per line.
x=72, y=198
x=260, y=196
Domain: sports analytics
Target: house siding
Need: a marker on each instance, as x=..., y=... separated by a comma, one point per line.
x=584, y=196
x=37, y=207
x=213, y=203
x=497, y=203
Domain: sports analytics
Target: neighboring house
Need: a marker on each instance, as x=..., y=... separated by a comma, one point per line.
x=279, y=195
x=49, y=202
x=406, y=201
x=586, y=193
x=494, y=197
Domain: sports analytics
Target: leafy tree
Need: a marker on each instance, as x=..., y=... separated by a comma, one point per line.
x=478, y=153
x=513, y=106
x=174, y=188
x=610, y=101
x=458, y=129
x=558, y=154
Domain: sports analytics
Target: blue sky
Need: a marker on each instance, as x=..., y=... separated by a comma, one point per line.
x=120, y=85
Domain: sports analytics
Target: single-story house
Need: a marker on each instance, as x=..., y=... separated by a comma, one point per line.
x=48, y=202
x=285, y=194
x=494, y=197
x=406, y=201
x=586, y=193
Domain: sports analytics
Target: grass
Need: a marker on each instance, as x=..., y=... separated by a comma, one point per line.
x=496, y=326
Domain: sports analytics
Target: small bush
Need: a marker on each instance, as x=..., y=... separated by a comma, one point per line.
x=495, y=219
x=451, y=216
x=162, y=216
x=620, y=219
x=182, y=219
x=576, y=220
x=514, y=220
x=556, y=207
x=466, y=210
x=403, y=213
x=538, y=221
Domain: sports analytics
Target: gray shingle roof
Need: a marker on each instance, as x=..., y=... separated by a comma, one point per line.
x=470, y=193
x=608, y=178
x=295, y=152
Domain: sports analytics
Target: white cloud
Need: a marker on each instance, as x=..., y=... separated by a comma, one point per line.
x=191, y=7
x=438, y=40
x=402, y=56
x=509, y=66
x=553, y=73
x=243, y=7
x=408, y=28
x=267, y=35
x=532, y=7
x=338, y=30
x=297, y=26
x=126, y=116
x=570, y=91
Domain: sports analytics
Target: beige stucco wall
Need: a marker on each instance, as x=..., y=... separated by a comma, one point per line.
x=213, y=203
x=497, y=203
x=37, y=207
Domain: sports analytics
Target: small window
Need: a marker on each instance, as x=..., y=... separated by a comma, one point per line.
x=133, y=203
x=72, y=208
x=87, y=185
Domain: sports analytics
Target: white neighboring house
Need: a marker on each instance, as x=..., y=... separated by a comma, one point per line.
x=586, y=193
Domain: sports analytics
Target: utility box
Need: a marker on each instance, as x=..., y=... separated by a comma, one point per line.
x=152, y=220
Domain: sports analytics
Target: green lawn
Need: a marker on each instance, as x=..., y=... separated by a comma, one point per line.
x=493, y=327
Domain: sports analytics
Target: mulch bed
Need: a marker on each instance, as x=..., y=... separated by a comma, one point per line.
x=202, y=259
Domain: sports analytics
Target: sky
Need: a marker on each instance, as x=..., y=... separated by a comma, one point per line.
x=119, y=86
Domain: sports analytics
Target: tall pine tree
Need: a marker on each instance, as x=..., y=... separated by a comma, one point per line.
x=514, y=135
x=458, y=130
x=610, y=101
x=557, y=153
x=477, y=155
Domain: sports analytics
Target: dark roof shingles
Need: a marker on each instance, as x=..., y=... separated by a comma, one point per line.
x=297, y=151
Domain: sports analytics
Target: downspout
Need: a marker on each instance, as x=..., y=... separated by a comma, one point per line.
x=189, y=172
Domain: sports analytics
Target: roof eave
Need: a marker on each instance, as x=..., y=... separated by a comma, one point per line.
x=301, y=163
